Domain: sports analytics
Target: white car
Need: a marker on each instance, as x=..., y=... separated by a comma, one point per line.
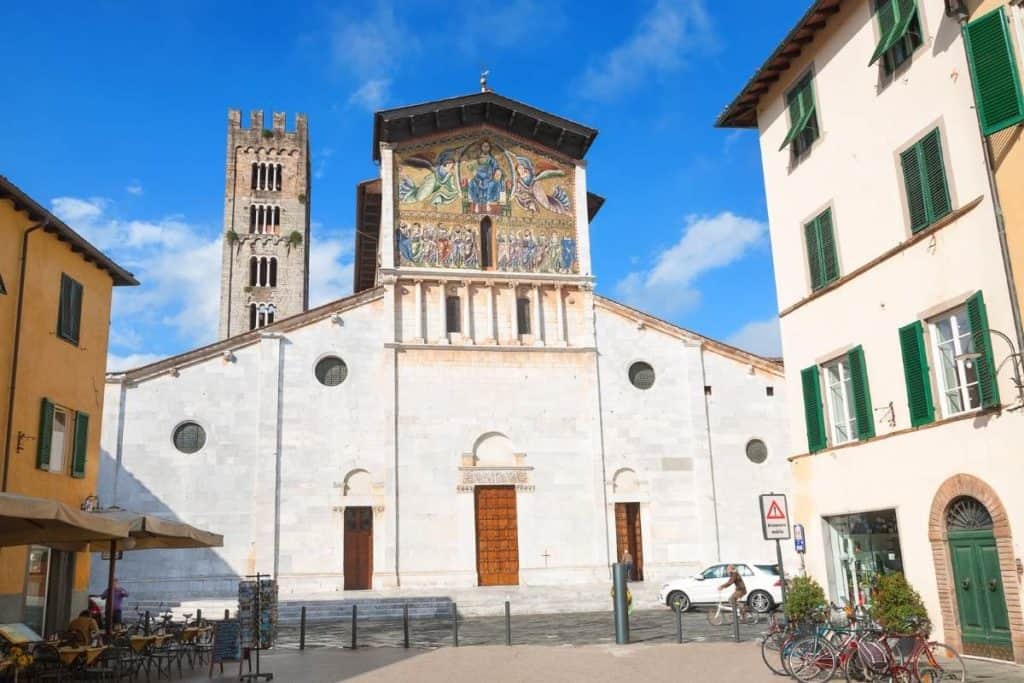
x=764, y=587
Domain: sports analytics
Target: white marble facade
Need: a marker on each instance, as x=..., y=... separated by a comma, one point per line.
x=424, y=416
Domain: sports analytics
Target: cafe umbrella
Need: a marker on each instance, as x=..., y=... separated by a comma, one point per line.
x=27, y=520
x=148, y=532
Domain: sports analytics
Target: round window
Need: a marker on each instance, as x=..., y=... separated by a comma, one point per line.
x=189, y=437
x=331, y=371
x=641, y=375
x=757, y=452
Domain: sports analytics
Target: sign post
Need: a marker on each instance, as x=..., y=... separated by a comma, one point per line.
x=775, y=526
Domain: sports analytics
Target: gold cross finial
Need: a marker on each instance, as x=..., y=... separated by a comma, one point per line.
x=483, y=79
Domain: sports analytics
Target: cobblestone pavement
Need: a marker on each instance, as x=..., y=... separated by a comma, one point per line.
x=646, y=626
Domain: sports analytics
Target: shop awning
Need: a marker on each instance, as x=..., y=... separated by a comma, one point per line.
x=149, y=532
x=26, y=520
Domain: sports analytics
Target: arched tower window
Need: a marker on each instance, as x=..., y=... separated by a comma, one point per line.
x=277, y=217
x=252, y=316
x=252, y=218
x=277, y=178
x=263, y=176
x=263, y=272
x=255, y=173
x=486, y=255
x=273, y=271
x=271, y=309
x=253, y=265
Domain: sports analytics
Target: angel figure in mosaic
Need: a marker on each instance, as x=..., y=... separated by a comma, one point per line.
x=528, y=191
x=439, y=185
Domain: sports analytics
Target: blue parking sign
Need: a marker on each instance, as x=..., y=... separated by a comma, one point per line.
x=798, y=538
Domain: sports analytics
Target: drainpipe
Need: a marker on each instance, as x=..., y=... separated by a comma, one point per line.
x=17, y=346
x=997, y=206
x=604, y=465
x=711, y=457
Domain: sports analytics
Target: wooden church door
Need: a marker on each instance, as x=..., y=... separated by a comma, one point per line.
x=628, y=536
x=497, y=536
x=358, y=548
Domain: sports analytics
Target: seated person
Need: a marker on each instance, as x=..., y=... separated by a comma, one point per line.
x=85, y=626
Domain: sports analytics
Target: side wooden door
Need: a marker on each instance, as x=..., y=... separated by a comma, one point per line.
x=629, y=536
x=358, y=548
x=497, y=536
x=980, y=598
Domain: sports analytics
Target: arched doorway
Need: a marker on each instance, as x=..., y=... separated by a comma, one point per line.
x=977, y=579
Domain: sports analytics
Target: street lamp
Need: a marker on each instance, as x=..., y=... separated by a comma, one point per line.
x=968, y=357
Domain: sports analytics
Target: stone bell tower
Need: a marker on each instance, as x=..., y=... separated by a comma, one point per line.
x=265, y=263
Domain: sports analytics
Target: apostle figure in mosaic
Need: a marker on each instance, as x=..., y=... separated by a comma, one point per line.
x=438, y=185
x=568, y=254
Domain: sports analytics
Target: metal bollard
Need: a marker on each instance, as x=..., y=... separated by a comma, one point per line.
x=455, y=624
x=354, y=610
x=736, y=621
x=508, y=623
x=227, y=614
x=679, y=626
x=621, y=603
x=405, y=626
x=302, y=628
x=145, y=628
x=199, y=616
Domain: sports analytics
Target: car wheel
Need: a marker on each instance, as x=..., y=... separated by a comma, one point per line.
x=678, y=601
x=760, y=602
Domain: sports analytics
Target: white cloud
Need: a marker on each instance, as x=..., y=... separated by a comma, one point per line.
x=372, y=94
x=116, y=363
x=665, y=34
x=330, y=265
x=759, y=336
x=134, y=188
x=707, y=242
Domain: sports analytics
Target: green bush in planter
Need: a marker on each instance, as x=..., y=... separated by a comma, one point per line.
x=898, y=607
x=805, y=599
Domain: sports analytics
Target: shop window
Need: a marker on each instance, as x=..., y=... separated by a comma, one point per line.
x=861, y=547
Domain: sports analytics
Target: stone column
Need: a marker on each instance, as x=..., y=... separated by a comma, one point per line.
x=538, y=326
x=417, y=297
x=387, y=208
x=492, y=331
x=559, y=316
x=467, y=333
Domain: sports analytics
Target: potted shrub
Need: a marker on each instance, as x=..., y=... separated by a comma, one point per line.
x=805, y=600
x=898, y=607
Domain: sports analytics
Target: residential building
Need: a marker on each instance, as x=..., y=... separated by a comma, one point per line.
x=473, y=415
x=894, y=298
x=55, y=294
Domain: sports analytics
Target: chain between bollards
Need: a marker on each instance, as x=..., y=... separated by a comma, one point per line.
x=508, y=623
x=405, y=626
x=679, y=625
x=355, y=608
x=455, y=624
x=302, y=628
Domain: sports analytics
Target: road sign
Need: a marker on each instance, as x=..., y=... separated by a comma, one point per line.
x=798, y=538
x=774, y=517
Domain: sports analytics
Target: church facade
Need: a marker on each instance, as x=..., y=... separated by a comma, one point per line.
x=474, y=414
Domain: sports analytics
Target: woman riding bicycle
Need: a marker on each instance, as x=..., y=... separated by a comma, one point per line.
x=737, y=581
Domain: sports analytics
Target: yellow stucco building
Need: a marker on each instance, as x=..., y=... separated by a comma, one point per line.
x=55, y=297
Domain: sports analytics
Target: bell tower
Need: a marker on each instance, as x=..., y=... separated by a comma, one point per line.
x=265, y=262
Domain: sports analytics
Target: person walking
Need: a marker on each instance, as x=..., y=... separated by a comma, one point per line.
x=739, y=588
x=119, y=594
x=627, y=560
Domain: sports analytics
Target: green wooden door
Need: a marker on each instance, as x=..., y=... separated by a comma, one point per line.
x=979, y=591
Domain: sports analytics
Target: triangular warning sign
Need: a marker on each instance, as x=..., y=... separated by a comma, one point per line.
x=775, y=512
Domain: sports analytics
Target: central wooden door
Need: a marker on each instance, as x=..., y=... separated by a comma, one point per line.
x=497, y=536
x=628, y=537
x=358, y=548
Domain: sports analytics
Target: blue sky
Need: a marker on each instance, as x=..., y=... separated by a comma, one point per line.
x=116, y=119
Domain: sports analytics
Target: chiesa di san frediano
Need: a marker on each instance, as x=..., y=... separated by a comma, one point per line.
x=474, y=414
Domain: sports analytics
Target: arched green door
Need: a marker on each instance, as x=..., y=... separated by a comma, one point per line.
x=984, y=622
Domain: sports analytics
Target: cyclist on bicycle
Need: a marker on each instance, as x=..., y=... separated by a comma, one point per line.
x=735, y=580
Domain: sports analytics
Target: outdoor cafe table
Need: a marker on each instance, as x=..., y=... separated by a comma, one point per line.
x=69, y=655
x=139, y=643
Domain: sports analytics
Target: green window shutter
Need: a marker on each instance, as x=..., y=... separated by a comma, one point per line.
x=894, y=18
x=826, y=237
x=935, y=174
x=988, y=385
x=45, y=436
x=76, y=309
x=814, y=254
x=915, y=373
x=81, y=445
x=997, y=87
x=861, y=394
x=69, y=312
x=914, y=186
x=813, y=413
x=801, y=109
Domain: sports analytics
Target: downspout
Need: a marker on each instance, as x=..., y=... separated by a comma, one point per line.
x=120, y=437
x=17, y=347
x=604, y=467
x=398, y=576
x=711, y=457
x=997, y=206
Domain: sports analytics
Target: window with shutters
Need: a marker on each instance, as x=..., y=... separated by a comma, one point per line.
x=57, y=438
x=899, y=30
x=962, y=349
x=839, y=394
x=813, y=413
x=915, y=374
x=924, y=181
x=803, y=117
x=994, y=74
x=822, y=261
x=69, y=311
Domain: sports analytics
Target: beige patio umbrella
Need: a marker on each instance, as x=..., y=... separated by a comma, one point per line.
x=149, y=532
x=27, y=520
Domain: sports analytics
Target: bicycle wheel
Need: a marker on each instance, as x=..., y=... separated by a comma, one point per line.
x=717, y=617
x=871, y=661
x=938, y=662
x=812, y=659
x=771, y=652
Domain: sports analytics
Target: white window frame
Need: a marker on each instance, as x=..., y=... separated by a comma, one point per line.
x=846, y=390
x=954, y=316
x=59, y=455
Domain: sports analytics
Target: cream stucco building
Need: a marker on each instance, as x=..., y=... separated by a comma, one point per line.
x=473, y=415
x=894, y=296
